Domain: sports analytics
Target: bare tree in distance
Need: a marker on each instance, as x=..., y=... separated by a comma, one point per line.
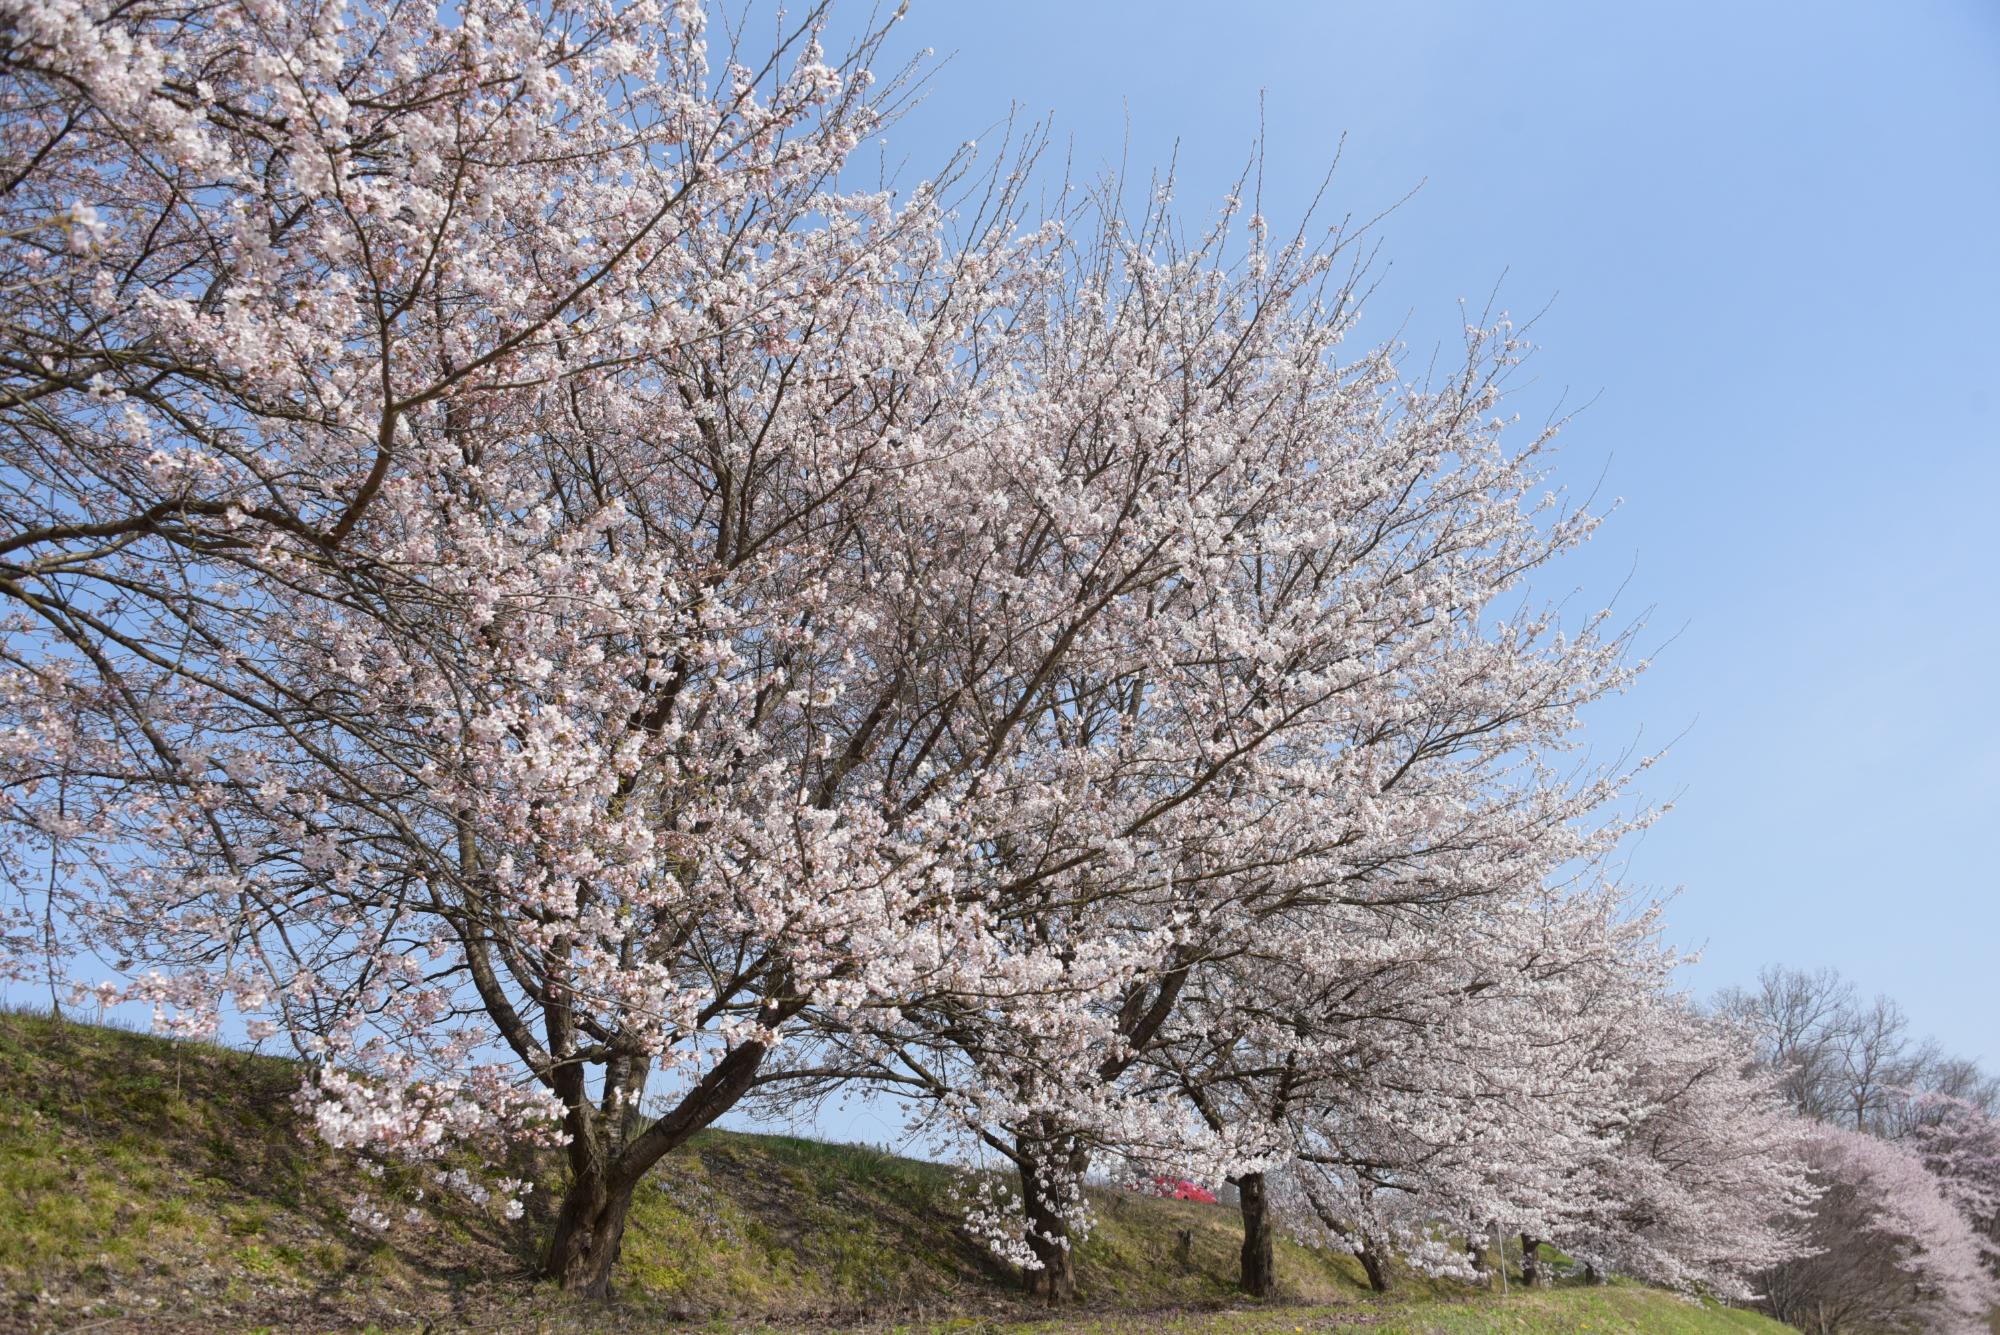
x=1848, y=1060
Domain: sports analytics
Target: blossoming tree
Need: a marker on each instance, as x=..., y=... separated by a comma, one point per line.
x=1408, y=1071
x=1701, y=1182
x=1959, y=1142
x=1522, y=1068
x=463, y=478
x=1295, y=706
x=1889, y=1250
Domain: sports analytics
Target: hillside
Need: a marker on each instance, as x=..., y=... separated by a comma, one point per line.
x=153, y=1185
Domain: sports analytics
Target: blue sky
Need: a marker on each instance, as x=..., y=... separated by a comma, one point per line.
x=1772, y=236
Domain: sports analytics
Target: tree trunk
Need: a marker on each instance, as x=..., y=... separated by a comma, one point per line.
x=1374, y=1262
x=1375, y=1265
x=607, y=1164
x=589, y=1230
x=1054, y=1279
x=1258, y=1260
x=1531, y=1264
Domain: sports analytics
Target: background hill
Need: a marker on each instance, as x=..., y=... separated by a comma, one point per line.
x=147, y=1184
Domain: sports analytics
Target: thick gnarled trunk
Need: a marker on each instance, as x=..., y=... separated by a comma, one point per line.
x=1045, y=1195
x=1053, y=1280
x=1257, y=1267
x=589, y=1231
x=609, y=1157
x=1531, y=1263
x=1375, y=1265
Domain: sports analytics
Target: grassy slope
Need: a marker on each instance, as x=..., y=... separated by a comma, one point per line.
x=152, y=1185
x=1617, y=1308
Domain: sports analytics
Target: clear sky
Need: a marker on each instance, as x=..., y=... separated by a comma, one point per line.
x=1772, y=236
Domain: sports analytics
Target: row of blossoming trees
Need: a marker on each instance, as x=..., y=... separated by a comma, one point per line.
x=520, y=578
x=1905, y=1148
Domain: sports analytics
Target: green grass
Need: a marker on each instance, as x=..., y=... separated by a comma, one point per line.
x=155, y=1185
x=1614, y=1308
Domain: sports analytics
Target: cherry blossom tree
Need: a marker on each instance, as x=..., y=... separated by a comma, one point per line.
x=1383, y=1063
x=1702, y=1183
x=1303, y=706
x=1474, y=1112
x=463, y=476
x=1887, y=1255
x=1888, y=1250
x=1959, y=1142
x=516, y=584
x=1525, y=1069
